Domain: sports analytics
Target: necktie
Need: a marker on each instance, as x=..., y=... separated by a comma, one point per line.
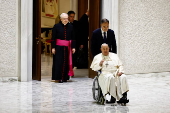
x=104, y=37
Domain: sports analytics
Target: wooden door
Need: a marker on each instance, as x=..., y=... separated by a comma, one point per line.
x=94, y=17
x=36, y=64
x=82, y=7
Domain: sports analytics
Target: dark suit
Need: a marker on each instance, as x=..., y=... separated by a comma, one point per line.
x=97, y=40
x=81, y=29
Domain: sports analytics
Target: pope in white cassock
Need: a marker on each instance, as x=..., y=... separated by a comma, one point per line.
x=112, y=79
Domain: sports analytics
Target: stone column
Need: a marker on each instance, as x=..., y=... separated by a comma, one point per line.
x=26, y=39
x=110, y=10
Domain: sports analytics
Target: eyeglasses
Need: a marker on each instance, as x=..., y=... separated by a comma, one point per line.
x=65, y=18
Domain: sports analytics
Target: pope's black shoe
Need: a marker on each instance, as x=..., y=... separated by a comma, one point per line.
x=112, y=100
x=60, y=81
x=123, y=99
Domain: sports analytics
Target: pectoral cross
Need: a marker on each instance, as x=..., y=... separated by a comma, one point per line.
x=106, y=64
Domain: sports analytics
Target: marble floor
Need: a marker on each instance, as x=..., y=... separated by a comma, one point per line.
x=149, y=93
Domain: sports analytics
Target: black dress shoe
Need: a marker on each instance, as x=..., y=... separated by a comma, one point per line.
x=60, y=81
x=123, y=99
x=112, y=100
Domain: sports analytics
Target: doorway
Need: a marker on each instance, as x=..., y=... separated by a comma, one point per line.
x=42, y=57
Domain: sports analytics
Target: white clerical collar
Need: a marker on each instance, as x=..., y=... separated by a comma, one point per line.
x=70, y=22
x=105, y=57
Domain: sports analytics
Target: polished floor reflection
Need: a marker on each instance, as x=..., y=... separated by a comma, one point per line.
x=149, y=93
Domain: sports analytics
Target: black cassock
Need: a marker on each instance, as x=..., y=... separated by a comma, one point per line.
x=60, y=67
x=81, y=31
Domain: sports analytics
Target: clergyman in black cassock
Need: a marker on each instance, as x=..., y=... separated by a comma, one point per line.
x=62, y=34
x=103, y=35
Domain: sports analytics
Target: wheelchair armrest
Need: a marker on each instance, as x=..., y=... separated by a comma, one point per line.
x=99, y=72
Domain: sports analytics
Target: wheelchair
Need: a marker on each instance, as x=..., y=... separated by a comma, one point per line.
x=97, y=92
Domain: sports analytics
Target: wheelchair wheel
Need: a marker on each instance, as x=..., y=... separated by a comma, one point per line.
x=96, y=89
x=102, y=100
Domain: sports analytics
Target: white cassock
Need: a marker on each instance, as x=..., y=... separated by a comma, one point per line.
x=109, y=81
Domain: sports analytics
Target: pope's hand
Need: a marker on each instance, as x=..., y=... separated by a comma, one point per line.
x=101, y=62
x=73, y=50
x=53, y=51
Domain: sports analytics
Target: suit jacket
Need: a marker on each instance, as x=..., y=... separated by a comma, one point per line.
x=81, y=30
x=97, y=40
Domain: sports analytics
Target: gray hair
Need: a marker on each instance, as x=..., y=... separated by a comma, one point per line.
x=63, y=14
x=104, y=44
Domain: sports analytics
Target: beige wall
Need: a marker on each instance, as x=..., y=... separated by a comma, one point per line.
x=8, y=39
x=16, y=40
x=64, y=6
x=145, y=35
x=142, y=33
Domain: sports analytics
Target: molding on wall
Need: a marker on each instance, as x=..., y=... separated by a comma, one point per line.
x=8, y=79
x=18, y=39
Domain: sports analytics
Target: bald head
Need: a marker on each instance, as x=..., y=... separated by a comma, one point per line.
x=105, y=49
x=104, y=44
